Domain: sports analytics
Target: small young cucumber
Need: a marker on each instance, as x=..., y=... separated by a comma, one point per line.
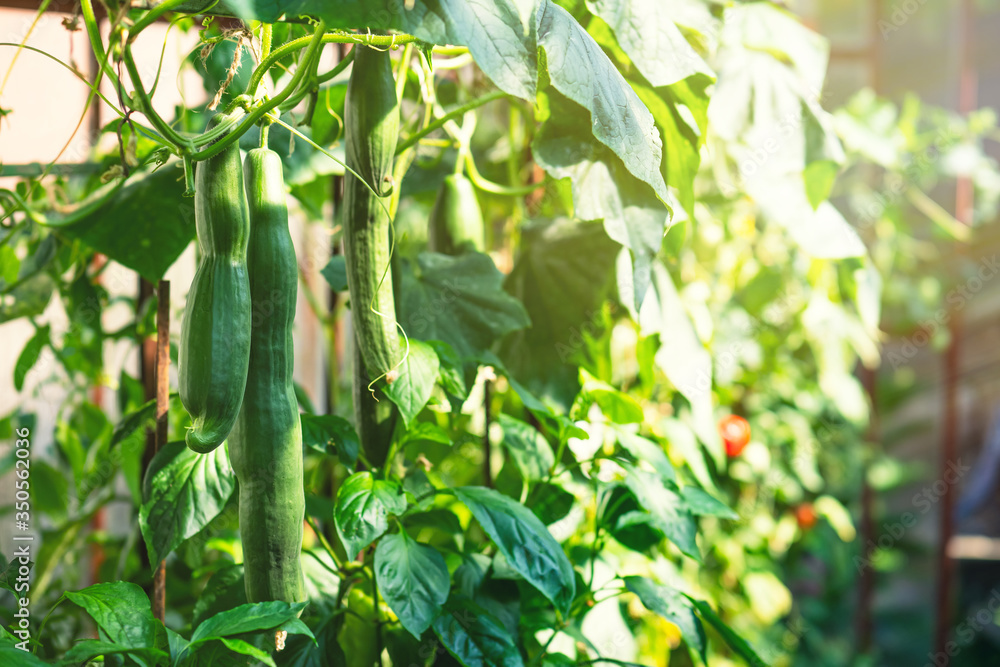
x=456, y=221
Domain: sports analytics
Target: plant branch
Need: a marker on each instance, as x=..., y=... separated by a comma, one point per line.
x=451, y=115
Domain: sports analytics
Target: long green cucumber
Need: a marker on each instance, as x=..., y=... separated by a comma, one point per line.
x=372, y=121
x=372, y=117
x=215, y=334
x=266, y=445
x=456, y=221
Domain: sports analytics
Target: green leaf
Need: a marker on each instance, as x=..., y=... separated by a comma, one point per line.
x=647, y=33
x=602, y=188
x=88, y=649
x=122, y=611
x=672, y=605
x=702, y=504
x=579, y=69
x=12, y=656
x=417, y=376
x=530, y=450
x=29, y=355
x=335, y=273
x=300, y=651
x=458, y=300
x=224, y=590
x=617, y=406
x=550, y=502
x=646, y=450
x=562, y=276
x=474, y=637
x=626, y=522
x=133, y=421
x=363, y=508
x=426, y=432
x=413, y=580
x=248, y=618
x=331, y=435
x=145, y=225
x=739, y=645
x=10, y=265
x=667, y=508
x=525, y=541
x=207, y=652
x=183, y=491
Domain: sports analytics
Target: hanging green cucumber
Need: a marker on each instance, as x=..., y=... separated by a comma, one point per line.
x=372, y=127
x=456, y=223
x=215, y=333
x=266, y=445
x=372, y=117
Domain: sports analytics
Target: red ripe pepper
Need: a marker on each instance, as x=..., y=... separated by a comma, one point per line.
x=735, y=432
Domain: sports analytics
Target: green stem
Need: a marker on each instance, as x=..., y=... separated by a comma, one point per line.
x=454, y=113
x=265, y=51
x=495, y=188
x=337, y=69
x=153, y=14
x=146, y=105
x=96, y=44
x=326, y=544
x=382, y=41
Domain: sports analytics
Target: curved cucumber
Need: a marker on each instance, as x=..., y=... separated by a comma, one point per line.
x=266, y=445
x=214, y=352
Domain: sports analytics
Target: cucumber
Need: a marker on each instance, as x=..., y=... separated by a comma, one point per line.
x=214, y=352
x=372, y=126
x=266, y=445
x=456, y=222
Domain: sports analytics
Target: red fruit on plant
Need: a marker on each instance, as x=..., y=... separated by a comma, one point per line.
x=805, y=515
x=735, y=432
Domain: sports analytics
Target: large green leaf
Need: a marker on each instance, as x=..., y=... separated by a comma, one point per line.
x=182, y=493
x=145, y=225
x=363, y=508
x=458, y=300
x=667, y=508
x=122, y=611
x=417, y=376
x=646, y=31
x=250, y=617
x=579, y=69
x=302, y=651
x=413, y=580
x=672, y=605
x=603, y=189
x=562, y=277
x=499, y=33
x=529, y=448
x=474, y=637
x=525, y=542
